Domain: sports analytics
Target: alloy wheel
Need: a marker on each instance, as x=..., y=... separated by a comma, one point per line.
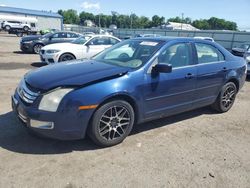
x=114, y=123
x=228, y=97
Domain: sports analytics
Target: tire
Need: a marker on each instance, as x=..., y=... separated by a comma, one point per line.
x=37, y=48
x=111, y=123
x=226, y=98
x=66, y=57
x=25, y=28
x=7, y=27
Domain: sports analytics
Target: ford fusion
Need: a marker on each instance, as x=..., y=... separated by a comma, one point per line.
x=132, y=82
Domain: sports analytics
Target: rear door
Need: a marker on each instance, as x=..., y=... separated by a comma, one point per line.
x=211, y=73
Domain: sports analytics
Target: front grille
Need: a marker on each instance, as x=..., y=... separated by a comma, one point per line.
x=26, y=94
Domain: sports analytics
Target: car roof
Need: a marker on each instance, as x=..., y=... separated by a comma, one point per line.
x=67, y=32
x=177, y=39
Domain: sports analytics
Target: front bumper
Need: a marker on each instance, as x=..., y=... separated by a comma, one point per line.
x=26, y=47
x=66, y=124
x=49, y=58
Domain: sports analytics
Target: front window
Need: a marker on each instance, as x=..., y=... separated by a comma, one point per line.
x=129, y=53
x=177, y=55
x=81, y=40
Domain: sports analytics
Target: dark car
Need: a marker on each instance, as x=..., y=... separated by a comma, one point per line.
x=241, y=50
x=134, y=81
x=33, y=44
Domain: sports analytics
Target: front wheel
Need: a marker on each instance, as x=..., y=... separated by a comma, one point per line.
x=66, y=57
x=226, y=98
x=111, y=123
x=37, y=48
x=7, y=28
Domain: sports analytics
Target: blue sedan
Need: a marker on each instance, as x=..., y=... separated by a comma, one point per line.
x=134, y=81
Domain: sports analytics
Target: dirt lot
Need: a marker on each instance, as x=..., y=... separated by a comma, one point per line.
x=194, y=149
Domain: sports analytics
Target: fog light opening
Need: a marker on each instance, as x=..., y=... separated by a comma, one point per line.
x=41, y=124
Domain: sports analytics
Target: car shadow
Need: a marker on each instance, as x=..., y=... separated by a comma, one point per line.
x=16, y=138
x=21, y=52
x=38, y=64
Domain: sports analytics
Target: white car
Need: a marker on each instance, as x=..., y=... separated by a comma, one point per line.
x=7, y=25
x=83, y=47
x=247, y=58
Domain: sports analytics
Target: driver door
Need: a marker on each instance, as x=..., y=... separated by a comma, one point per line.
x=96, y=45
x=171, y=93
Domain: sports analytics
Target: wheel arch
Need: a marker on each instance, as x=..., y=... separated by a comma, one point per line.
x=124, y=97
x=64, y=53
x=235, y=81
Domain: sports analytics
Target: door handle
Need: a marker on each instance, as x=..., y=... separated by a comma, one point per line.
x=224, y=69
x=189, y=76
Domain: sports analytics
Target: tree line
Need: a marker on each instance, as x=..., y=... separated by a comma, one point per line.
x=133, y=21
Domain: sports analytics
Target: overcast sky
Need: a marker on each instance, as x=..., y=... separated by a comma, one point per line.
x=233, y=10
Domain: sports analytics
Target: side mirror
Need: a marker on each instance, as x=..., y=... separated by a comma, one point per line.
x=162, y=67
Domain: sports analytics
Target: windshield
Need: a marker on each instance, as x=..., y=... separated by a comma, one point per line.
x=81, y=40
x=129, y=53
x=46, y=35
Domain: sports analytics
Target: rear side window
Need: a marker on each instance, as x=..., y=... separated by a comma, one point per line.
x=208, y=54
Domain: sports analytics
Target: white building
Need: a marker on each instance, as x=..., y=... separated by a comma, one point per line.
x=179, y=26
x=42, y=19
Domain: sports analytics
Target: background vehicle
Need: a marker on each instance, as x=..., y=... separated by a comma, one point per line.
x=240, y=51
x=106, y=96
x=247, y=58
x=45, y=31
x=21, y=32
x=205, y=38
x=83, y=47
x=7, y=25
x=36, y=42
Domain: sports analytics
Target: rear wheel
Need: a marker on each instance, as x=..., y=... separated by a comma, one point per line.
x=226, y=98
x=111, y=123
x=37, y=48
x=66, y=57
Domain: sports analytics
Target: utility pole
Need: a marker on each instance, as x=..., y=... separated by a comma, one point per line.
x=99, y=20
x=131, y=20
x=182, y=19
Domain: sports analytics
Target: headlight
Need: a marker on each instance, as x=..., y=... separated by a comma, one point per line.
x=51, y=101
x=248, y=58
x=27, y=42
x=52, y=51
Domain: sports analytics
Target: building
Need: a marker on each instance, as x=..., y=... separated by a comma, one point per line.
x=42, y=19
x=179, y=26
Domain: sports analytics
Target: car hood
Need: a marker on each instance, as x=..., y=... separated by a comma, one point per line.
x=239, y=50
x=61, y=46
x=72, y=74
x=31, y=37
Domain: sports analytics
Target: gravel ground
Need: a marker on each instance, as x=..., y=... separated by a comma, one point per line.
x=195, y=149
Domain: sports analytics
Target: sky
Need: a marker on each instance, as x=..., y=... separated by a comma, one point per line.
x=233, y=10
